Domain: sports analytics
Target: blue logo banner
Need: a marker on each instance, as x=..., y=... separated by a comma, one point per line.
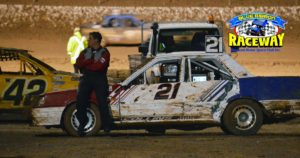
x=279, y=22
x=238, y=20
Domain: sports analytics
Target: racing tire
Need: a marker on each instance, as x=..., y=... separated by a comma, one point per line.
x=224, y=129
x=242, y=117
x=71, y=124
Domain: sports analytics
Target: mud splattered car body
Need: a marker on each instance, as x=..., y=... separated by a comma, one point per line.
x=23, y=76
x=192, y=89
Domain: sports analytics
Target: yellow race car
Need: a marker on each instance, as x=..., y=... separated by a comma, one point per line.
x=22, y=77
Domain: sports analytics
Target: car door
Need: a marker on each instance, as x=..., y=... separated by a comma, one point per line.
x=19, y=80
x=207, y=83
x=153, y=96
x=113, y=32
x=132, y=30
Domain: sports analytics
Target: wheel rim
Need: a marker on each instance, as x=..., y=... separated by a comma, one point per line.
x=91, y=120
x=244, y=116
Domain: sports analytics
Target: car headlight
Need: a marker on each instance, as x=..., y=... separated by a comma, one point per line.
x=42, y=101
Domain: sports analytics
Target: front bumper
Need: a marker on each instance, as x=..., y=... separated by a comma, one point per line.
x=47, y=116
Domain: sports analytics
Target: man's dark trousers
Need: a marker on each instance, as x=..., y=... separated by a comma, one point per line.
x=89, y=82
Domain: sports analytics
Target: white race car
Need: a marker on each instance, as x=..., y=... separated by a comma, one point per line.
x=192, y=90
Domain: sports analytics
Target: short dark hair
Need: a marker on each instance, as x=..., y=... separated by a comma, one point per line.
x=96, y=35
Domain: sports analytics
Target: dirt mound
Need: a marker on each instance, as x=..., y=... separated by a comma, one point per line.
x=156, y=3
x=38, y=21
x=46, y=26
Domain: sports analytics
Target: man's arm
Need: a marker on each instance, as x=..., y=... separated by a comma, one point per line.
x=71, y=45
x=100, y=64
x=82, y=62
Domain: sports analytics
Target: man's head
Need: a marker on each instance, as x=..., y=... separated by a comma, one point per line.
x=94, y=39
x=76, y=29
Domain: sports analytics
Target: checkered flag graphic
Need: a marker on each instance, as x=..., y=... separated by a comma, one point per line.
x=269, y=29
x=242, y=29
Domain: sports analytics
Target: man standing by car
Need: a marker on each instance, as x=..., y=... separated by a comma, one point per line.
x=93, y=63
x=76, y=44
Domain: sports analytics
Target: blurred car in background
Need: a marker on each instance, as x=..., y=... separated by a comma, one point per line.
x=118, y=29
x=23, y=77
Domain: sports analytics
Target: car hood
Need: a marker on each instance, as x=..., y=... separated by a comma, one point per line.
x=66, y=73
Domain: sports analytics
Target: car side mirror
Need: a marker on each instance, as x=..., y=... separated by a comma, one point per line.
x=143, y=48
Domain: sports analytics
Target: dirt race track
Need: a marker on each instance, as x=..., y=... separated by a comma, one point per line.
x=49, y=44
x=277, y=140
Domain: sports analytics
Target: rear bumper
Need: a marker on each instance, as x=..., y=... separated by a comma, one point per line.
x=49, y=116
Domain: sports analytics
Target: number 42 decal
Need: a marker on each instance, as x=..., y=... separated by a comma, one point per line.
x=16, y=90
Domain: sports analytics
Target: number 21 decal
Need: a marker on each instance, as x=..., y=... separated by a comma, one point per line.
x=213, y=44
x=164, y=94
x=18, y=88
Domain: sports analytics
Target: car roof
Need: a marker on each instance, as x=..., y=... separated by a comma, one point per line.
x=234, y=68
x=185, y=54
x=7, y=54
x=185, y=25
x=16, y=50
x=120, y=16
x=261, y=23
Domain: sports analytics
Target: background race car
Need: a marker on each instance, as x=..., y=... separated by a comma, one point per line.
x=22, y=77
x=118, y=29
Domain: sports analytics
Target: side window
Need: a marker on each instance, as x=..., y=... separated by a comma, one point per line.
x=183, y=39
x=128, y=23
x=19, y=67
x=138, y=80
x=114, y=22
x=207, y=70
x=10, y=67
x=31, y=69
x=163, y=72
x=166, y=43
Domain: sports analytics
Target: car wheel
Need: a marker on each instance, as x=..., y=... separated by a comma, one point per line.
x=71, y=123
x=242, y=117
x=224, y=129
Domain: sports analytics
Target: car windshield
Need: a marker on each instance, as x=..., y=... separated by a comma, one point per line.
x=42, y=63
x=116, y=21
x=184, y=39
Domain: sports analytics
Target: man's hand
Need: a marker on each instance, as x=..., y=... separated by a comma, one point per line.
x=101, y=60
x=88, y=55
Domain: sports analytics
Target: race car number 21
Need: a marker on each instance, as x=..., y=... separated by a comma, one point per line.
x=18, y=88
x=166, y=89
x=213, y=44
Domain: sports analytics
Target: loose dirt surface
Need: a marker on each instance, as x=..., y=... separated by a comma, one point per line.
x=274, y=141
x=51, y=48
x=151, y=3
x=49, y=45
